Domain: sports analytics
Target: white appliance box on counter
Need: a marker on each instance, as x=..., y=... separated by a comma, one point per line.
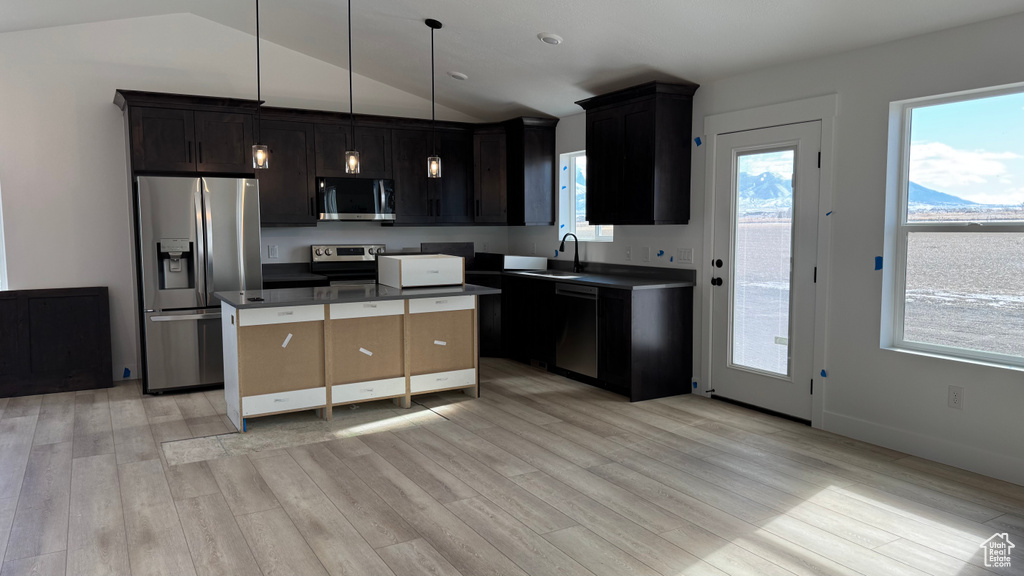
x=417, y=270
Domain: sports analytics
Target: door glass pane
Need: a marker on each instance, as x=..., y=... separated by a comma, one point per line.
x=964, y=291
x=762, y=261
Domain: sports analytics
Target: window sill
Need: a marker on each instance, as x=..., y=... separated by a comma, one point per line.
x=952, y=358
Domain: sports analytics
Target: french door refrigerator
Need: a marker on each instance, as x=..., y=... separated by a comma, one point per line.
x=196, y=236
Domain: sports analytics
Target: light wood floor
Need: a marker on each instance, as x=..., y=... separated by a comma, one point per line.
x=540, y=476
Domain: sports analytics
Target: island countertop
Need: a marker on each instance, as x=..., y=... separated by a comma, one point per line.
x=367, y=292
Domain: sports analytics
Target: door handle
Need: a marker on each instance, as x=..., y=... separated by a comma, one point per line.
x=718, y=263
x=716, y=281
x=177, y=317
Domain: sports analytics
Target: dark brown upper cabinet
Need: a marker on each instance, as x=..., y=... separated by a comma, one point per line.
x=288, y=186
x=176, y=140
x=530, y=145
x=515, y=172
x=422, y=200
x=638, y=154
x=372, y=143
x=490, y=176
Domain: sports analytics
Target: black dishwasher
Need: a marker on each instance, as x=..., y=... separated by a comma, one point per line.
x=576, y=317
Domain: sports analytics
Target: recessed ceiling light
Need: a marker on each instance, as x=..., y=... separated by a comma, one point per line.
x=549, y=38
x=458, y=75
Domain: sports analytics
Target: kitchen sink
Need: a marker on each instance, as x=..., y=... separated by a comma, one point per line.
x=552, y=273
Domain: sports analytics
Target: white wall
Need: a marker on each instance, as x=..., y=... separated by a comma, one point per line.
x=890, y=398
x=63, y=164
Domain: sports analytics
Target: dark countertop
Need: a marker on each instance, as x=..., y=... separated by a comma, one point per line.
x=345, y=293
x=611, y=281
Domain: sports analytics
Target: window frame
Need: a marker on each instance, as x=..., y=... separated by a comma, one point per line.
x=903, y=228
x=568, y=184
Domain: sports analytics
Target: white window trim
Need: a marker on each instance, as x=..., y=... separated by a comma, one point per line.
x=898, y=230
x=567, y=185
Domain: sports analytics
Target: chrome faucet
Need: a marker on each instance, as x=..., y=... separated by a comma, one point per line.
x=576, y=266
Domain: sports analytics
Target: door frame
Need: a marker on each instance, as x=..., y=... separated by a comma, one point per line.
x=823, y=109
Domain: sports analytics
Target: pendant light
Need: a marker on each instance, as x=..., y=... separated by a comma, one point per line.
x=260, y=152
x=351, y=156
x=434, y=161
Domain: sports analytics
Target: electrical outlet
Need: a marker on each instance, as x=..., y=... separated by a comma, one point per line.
x=485, y=247
x=629, y=253
x=956, y=397
x=272, y=251
x=645, y=253
x=533, y=249
x=685, y=256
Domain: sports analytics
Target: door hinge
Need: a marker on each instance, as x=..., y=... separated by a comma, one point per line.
x=812, y=387
x=815, y=274
x=819, y=159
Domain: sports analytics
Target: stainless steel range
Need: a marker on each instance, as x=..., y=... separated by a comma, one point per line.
x=347, y=263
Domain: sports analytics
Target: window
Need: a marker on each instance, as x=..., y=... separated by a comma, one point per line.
x=959, y=232
x=574, y=196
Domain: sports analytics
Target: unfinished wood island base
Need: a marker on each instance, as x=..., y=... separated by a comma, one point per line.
x=288, y=358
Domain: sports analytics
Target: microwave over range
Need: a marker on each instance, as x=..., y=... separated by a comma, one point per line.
x=361, y=199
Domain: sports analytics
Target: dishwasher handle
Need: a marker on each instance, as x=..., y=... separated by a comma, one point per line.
x=576, y=291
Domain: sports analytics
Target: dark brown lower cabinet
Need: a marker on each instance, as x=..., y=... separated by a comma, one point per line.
x=54, y=341
x=527, y=320
x=644, y=337
x=645, y=342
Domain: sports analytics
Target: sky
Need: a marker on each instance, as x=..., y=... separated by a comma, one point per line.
x=972, y=149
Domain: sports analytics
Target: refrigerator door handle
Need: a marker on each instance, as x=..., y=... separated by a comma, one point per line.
x=207, y=208
x=199, y=264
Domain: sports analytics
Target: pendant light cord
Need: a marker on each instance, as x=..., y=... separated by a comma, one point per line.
x=351, y=117
x=433, y=105
x=259, y=80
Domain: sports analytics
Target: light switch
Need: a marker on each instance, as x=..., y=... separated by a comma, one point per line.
x=685, y=256
x=645, y=253
x=272, y=251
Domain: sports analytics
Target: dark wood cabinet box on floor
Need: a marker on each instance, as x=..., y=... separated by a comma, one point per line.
x=54, y=341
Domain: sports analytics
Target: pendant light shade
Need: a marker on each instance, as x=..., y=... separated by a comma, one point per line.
x=260, y=156
x=260, y=152
x=351, y=155
x=433, y=161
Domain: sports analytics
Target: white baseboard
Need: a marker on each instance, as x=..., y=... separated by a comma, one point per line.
x=970, y=458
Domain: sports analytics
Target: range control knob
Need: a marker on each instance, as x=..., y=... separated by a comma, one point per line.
x=329, y=251
x=319, y=252
x=380, y=250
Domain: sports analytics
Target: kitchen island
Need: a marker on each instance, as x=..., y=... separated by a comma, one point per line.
x=316, y=348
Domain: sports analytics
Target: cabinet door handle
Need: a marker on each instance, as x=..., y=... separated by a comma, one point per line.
x=200, y=152
x=189, y=151
x=430, y=207
x=477, y=207
x=438, y=213
x=312, y=207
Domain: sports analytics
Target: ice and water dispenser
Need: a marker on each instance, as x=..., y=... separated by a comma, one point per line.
x=176, y=257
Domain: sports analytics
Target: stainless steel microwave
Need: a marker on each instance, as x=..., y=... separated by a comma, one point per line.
x=362, y=199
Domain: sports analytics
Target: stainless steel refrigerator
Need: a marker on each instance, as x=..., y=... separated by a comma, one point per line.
x=196, y=236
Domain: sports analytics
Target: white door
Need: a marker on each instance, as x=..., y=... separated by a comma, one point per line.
x=763, y=266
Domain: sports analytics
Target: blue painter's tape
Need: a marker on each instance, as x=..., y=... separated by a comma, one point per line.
x=243, y=424
x=823, y=374
x=565, y=167
x=661, y=253
x=127, y=373
x=694, y=385
x=562, y=226
x=556, y=253
x=697, y=141
x=563, y=187
x=829, y=213
x=671, y=258
x=878, y=262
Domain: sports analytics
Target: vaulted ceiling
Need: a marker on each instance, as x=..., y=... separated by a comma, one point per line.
x=608, y=44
